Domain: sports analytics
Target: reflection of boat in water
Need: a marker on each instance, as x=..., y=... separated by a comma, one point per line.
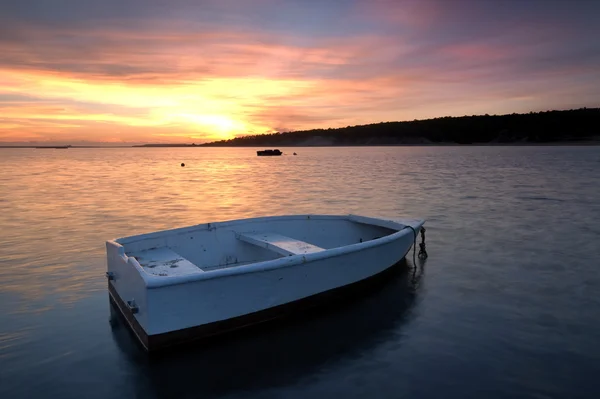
x=56, y=147
x=178, y=285
x=281, y=352
x=268, y=153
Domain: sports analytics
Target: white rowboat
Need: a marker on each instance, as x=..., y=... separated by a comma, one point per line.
x=177, y=285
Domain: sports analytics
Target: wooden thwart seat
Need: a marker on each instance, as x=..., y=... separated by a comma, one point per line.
x=281, y=244
x=164, y=262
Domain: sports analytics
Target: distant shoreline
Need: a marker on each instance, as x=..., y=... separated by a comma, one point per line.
x=579, y=127
x=568, y=127
x=595, y=142
x=52, y=147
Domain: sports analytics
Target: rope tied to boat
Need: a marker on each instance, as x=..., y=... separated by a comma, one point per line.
x=422, y=250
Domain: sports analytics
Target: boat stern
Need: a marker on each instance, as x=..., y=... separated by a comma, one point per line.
x=127, y=289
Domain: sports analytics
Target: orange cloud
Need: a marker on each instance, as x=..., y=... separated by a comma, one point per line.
x=206, y=96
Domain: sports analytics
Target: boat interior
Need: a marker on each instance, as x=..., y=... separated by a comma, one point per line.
x=207, y=247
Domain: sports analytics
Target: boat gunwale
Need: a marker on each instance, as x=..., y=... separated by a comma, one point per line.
x=261, y=266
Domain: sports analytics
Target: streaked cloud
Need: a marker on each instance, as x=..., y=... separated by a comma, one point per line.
x=196, y=71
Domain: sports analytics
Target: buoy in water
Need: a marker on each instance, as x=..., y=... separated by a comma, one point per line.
x=182, y=164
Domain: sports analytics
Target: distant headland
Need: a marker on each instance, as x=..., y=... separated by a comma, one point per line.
x=579, y=126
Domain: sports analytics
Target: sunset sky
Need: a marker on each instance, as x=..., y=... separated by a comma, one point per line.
x=194, y=71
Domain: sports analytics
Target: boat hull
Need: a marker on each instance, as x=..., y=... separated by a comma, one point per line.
x=182, y=310
x=160, y=342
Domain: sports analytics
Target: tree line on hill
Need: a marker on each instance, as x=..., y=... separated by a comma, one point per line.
x=534, y=127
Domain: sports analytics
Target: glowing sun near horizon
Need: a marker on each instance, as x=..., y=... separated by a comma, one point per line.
x=217, y=126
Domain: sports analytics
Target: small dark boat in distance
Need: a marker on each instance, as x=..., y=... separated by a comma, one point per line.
x=268, y=153
x=56, y=147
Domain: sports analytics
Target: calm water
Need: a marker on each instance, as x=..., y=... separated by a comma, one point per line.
x=507, y=305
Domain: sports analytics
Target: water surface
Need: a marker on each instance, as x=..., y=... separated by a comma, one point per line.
x=506, y=305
